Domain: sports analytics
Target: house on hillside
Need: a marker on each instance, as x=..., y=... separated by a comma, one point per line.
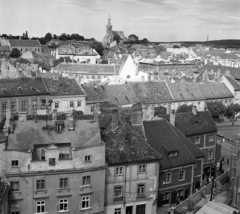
x=25, y=45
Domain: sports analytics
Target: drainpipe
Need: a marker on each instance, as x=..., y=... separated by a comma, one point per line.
x=125, y=187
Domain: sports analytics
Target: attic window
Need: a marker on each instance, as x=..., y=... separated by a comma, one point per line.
x=173, y=153
x=59, y=125
x=19, y=89
x=33, y=88
x=4, y=89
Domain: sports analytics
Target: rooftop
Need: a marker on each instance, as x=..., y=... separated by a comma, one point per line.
x=63, y=86
x=215, y=90
x=127, y=143
x=190, y=124
x=22, y=87
x=94, y=93
x=29, y=133
x=104, y=69
x=24, y=43
x=165, y=138
x=151, y=92
x=185, y=91
x=233, y=82
x=119, y=94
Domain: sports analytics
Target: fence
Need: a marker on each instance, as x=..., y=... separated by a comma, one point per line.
x=198, y=199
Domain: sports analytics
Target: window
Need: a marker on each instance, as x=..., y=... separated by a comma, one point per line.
x=4, y=106
x=211, y=138
x=63, y=183
x=195, y=167
x=119, y=170
x=210, y=154
x=86, y=180
x=197, y=140
x=175, y=153
x=15, y=212
x=14, y=186
x=142, y=168
x=140, y=189
x=118, y=192
x=34, y=104
x=56, y=104
x=52, y=162
x=79, y=103
x=168, y=178
x=24, y=105
x=14, y=163
x=64, y=154
x=87, y=158
x=13, y=105
x=117, y=211
x=92, y=108
x=40, y=184
x=42, y=154
x=181, y=175
x=63, y=204
x=40, y=207
x=85, y=202
x=72, y=104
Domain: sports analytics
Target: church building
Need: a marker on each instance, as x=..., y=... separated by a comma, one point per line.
x=108, y=38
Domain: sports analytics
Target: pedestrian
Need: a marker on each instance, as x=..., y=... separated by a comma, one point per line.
x=169, y=209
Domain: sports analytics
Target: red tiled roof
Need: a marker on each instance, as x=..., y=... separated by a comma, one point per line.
x=24, y=43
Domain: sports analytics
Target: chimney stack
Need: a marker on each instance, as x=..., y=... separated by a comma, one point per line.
x=95, y=114
x=194, y=110
x=137, y=114
x=172, y=117
x=115, y=119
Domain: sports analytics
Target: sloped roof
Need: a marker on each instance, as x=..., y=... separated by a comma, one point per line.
x=4, y=49
x=233, y=82
x=24, y=43
x=151, y=92
x=190, y=124
x=186, y=91
x=103, y=69
x=63, y=86
x=215, y=90
x=28, y=133
x=119, y=94
x=22, y=87
x=94, y=93
x=127, y=144
x=163, y=137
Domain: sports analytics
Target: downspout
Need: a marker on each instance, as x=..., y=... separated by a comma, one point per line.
x=125, y=187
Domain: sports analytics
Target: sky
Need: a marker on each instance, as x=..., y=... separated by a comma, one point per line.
x=156, y=20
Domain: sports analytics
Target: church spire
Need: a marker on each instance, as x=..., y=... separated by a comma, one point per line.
x=109, y=20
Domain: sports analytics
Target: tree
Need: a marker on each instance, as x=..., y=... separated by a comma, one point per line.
x=63, y=37
x=233, y=108
x=176, y=46
x=132, y=37
x=116, y=38
x=98, y=47
x=216, y=109
x=145, y=41
x=15, y=53
x=76, y=36
x=4, y=35
x=184, y=108
x=55, y=36
x=48, y=37
x=160, y=110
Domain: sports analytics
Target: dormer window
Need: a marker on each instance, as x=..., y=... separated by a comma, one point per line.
x=33, y=88
x=173, y=153
x=4, y=90
x=19, y=89
x=59, y=125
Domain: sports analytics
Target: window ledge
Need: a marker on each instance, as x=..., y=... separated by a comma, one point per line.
x=66, y=188
x=141, y=196
x=63, y=211
x=164, y=183
x=181, y=180
x=40, y=190
x=63, y=159
x=42, y=213
x=16, y=192
x=118, y=199
x=88, y=208
x=90, y=186
x=141, y=172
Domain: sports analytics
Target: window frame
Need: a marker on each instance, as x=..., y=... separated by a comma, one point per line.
x=64, y=154
x=88, y=158
x=119, y=172
x=63, y=202
x=4, y=106
x=165, y=194
x=14, y=183
x=115, y=190
x=13, y=165
x=197, y=141
x=183, y=176
x=36, y=206
x=86, y=199
x=40, y=184
x=142, y=168
x=211, y=138
x=56, y=105
x=24, y=105
x=141, y=186
x=86, y=181
x=13, y=105
x=117, y=211
x=210, y=157
x=170, y=178
x=71, y=104
x=79, y=103
x=63, y=183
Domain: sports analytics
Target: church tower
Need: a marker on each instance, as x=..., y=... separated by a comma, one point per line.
x=109, y=26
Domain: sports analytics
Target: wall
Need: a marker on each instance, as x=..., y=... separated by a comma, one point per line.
x=25, y=49
x=200, y=104
x=150, y=179
x=28, y=195
x=129, y=69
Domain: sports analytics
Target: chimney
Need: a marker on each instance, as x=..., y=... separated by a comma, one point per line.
x=194, y=110
x=137, y=114
x=95, y=114
x=172, y=117
x=114, y=119
x=227, y=72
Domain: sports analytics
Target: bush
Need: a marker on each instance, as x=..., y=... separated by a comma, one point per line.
x=160, y=110
x=184, y=108
x=216, y=109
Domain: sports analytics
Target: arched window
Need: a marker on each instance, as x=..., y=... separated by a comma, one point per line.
x=128, y=77
x=93, y=77
x=99, y=77
x=180, y=194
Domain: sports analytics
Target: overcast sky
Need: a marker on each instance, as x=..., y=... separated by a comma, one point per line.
x=156, y=20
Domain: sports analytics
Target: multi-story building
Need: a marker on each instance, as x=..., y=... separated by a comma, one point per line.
x=25, y=45
x=54, y=166
x=66, y=94
x=22, y=95
x=4, y=190
x=133, y=165
x=181, y=163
